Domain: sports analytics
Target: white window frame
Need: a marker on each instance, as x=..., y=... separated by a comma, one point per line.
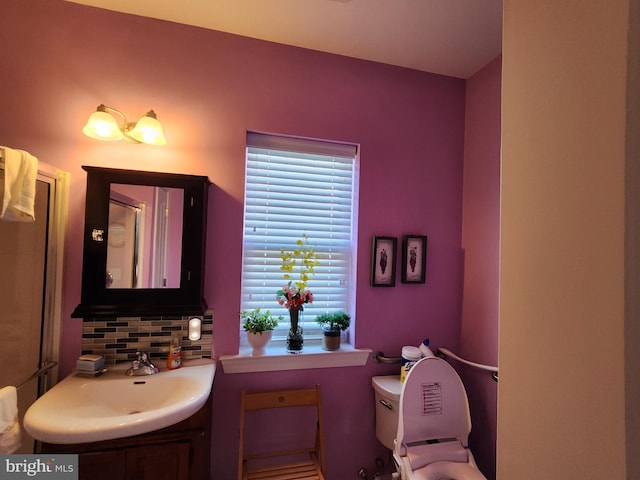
x=284, y=171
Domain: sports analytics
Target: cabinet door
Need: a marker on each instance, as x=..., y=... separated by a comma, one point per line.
x=102, y=465
x=167, y=461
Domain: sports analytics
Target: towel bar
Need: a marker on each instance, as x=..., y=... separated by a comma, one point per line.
x=442, y=352
x=38, y=373
x=487, y=368
x=380, y=358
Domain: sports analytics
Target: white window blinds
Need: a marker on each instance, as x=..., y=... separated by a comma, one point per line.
x=295, y=186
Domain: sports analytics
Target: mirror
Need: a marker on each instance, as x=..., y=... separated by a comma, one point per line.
x=144, y=249
x=143, y=244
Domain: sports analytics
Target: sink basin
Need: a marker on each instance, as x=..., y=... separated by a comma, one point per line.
x=113, y=405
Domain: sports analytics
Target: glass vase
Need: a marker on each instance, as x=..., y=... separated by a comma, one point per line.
x=294, y=338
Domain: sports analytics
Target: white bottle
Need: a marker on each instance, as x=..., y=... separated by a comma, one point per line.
x=424, y=348
x=410, y=356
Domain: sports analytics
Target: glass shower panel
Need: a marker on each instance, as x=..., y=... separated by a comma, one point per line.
x=23, y=250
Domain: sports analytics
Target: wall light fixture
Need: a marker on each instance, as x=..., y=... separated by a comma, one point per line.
x=103, y=126
x=195, y=329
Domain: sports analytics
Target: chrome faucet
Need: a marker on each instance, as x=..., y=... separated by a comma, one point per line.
x=142, y=366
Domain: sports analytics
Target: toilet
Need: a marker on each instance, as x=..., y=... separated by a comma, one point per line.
x=425, y=422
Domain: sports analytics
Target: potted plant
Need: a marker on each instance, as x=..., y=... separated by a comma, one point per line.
x=332, y=325
x=259, y=326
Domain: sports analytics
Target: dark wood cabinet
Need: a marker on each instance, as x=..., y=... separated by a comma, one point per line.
x=101, y=465
x=178, y=452
x=162, y=461
x=167, y=461
x=98, y=298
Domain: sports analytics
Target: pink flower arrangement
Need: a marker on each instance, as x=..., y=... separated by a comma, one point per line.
x=292, y=297
x=301, y=261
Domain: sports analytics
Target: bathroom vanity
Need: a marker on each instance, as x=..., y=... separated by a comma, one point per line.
x=130, y=427
x=144, y=255
x=178, y=452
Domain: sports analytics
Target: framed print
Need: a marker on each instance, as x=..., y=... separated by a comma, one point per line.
x=383, y=262
x=414, y=259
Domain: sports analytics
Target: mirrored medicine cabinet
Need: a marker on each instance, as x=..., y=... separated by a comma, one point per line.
x=144, y=244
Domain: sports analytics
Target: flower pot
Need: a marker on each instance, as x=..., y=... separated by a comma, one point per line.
x=258, y=341
x=331, y=340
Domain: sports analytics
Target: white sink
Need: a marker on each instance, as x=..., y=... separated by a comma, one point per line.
x=114, y=405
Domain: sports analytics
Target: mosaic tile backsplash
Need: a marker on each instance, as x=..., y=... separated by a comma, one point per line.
x=119, y=339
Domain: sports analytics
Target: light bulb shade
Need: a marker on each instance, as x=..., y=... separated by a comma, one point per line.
x=102, y=126
x=148, y=130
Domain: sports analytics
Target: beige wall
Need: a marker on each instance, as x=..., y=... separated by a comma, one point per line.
x=561, y=400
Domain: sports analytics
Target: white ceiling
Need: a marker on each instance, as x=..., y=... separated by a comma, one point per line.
x=450, y=37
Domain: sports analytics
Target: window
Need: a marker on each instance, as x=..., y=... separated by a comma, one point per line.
x=295, y=187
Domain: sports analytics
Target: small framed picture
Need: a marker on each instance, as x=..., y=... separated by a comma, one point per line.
x=414, y=259
x=383, y=262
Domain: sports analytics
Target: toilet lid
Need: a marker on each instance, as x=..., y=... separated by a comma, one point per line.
x=447, y=471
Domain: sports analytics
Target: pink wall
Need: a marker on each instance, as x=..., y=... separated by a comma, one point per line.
x=480, y=242
x=60, y=60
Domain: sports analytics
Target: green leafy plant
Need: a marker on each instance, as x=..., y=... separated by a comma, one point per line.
x=334, y=321
x=257, y=321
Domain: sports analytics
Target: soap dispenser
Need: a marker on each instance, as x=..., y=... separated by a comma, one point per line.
x=424, y=348
x=174, y=359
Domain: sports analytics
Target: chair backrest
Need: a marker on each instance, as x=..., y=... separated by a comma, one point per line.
x=433, y=405
x=283, y=399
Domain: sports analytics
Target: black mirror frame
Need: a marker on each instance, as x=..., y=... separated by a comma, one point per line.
x=99, y=301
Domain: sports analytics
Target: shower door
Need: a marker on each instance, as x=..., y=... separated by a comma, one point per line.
x=26, y=330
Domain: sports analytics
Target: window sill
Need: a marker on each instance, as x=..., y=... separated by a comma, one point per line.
x=313, y=356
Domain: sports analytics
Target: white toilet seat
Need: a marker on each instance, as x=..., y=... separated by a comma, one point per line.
x=433, y=425
x=447, y=471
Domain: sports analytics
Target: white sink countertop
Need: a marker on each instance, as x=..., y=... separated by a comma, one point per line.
x=113, y=405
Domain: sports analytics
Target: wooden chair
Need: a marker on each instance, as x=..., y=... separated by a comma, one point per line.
x=306, y=462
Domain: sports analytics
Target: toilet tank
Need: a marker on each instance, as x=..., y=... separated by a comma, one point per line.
x=387, y=395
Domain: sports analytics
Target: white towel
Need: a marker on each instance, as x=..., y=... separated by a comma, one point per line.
x=20, y=171
x=10, y=436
